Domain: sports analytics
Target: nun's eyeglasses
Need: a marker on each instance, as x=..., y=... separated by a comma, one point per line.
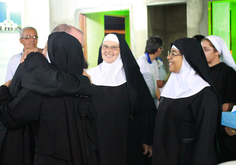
x=172, y=54
x=207, y=50
x=113, y=47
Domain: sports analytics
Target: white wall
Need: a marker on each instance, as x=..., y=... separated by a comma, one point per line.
x=62, y=11
x=138, y=28
x=33, y=13
x=138, y=23
x=44, y=15
x=66, y=11
x=36, y=14
x=9, y=45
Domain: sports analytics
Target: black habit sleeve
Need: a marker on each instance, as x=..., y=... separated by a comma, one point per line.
x=229, y=86
x=20, y=111
x=146, y=122
x=42, y=77
x=205, y=111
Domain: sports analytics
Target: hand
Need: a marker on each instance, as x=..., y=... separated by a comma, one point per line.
x=230, y=131
x=7, y=83
x=147, y=149
x=26, y=52
x=86, y=74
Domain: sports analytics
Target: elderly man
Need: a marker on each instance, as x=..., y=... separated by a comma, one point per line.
x=29, y=39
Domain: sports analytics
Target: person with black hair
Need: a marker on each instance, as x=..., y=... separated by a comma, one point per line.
x=148, y=65
x=199, y=37
x=189, y=112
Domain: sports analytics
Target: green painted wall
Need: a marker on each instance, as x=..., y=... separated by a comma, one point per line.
x=95, y=34
x=222, y=22
x=233, y=29
x=127, y=30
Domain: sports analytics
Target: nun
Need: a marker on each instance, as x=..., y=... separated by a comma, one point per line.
x=222, y=67
x=124, y=105
x=64, y=127
x=188, y=115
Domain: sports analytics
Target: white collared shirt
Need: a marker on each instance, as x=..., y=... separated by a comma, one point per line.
x=12, y=66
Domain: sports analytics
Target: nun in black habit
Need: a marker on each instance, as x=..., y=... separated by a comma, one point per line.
x=124, y=105
x=64, y=126
x=223, y=67
x=188, y=116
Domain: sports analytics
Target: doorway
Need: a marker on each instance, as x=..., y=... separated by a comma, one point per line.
x=96, y=25
x=114, y=24
x=169, y=22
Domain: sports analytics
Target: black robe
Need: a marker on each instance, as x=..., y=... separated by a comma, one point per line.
x=224, y=78
x=18, y=142
x=66, y=131
x=127, y=111
x=76, y=112
x=52, y=83
x=119, y=134
x=112, y=123
x=186, y=128
x=186, y=118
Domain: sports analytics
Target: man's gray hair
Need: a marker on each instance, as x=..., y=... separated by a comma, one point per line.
x=26, y=28
x=65, y=28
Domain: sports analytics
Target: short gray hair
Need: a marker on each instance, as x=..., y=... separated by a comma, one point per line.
x=65, y=28
x=26, y=28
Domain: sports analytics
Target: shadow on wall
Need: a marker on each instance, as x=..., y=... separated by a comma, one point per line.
x=169, y=22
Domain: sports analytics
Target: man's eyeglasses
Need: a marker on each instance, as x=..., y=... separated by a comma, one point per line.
x=28, y=37
x=113, y=47
x=172, y=54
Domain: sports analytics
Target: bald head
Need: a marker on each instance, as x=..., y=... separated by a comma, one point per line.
x=75, y=32
x=62, y=28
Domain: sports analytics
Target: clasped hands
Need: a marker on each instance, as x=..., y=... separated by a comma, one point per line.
x=26, y=52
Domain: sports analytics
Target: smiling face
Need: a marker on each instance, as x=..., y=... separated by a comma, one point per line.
x=175, y=61
x=110, y=51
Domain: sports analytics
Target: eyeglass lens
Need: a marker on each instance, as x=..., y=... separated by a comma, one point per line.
x=113, y=47
x=28, y=37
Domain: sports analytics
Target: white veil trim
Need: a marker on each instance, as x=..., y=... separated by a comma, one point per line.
x=221, y=47
x=108, y=74
x=184, y=84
